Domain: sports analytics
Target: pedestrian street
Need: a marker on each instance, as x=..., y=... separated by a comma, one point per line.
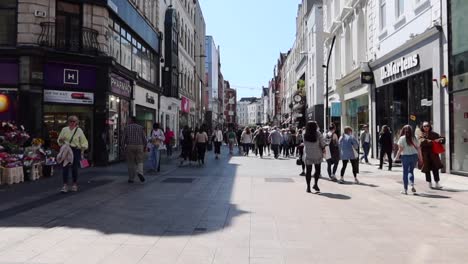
x=236, y=210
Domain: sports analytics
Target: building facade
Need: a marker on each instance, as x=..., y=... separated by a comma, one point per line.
x=87, y=58
x=212, y=83
x=230, y=106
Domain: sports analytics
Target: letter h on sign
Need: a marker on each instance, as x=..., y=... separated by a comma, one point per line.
x=70, y=76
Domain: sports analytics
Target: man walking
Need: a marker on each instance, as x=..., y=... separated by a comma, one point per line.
x=134, y=141
x=275, y=138
x=365, y=143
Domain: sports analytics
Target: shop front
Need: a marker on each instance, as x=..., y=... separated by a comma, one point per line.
x=145, y=105
x=458, y=86
x=118, y=101
x=405, y=92
x=68, y=90
x=356, y=104
x=169, y=114
x=184, y=116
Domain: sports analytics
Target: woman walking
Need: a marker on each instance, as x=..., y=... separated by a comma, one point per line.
x=332, y=139
x=260, y=141
x=169, y=141
x=218, y=140
x=348, y=151
x=156, y=139
x=386, y=146
x=246, y=139
x=300, y=150
x=187, y=144
x=201, y=139
x=75, y=138
x=431, y=160
x=313, y=153
x=408, y=148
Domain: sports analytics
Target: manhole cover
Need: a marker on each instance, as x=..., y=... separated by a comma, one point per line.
x=279, y=180
x=178, y=180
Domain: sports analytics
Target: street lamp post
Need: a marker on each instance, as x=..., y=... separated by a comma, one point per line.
x=327, y=115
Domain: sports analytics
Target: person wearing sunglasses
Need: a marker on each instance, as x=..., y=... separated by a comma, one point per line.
x=431, y=160
x=73, y=136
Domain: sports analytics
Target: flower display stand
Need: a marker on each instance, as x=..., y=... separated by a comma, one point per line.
x=12, y=175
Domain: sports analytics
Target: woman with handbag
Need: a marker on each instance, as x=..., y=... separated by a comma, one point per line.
x=156, y=143
x=408, y=148
x=348, y=152
x=313, y=153
x=300, y=149
x=246, y=140
x=73, y=136
x=431, y=147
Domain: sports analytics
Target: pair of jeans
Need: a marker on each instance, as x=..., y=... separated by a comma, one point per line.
x=318, y=168
x=331, y=162
x=74, y=167
x=286, y=150
x=275, y=148
x=366, y=148
x=154, y=157
x=436, y=176
x=389, y=156
x=246, y=148
x=408, y=162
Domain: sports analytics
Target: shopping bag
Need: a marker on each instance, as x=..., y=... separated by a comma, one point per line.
x=84, y=163
x=437, y=147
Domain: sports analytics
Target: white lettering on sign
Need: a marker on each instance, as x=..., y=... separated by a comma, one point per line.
x=399, y=66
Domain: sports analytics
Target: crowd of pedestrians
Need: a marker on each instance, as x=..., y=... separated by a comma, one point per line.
x=308, y=144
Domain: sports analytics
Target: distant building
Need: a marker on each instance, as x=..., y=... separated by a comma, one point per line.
x=230, y=105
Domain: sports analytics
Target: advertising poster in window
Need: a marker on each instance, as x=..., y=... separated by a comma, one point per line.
x=8, y=105
x=68, y=97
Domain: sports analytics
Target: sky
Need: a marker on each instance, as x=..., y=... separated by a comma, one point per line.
x=251, y=34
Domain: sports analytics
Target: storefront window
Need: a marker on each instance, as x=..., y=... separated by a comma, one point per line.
x=460, y=133
x=145, y=117
x=405, y=102
x=357, y=112
x=113, y=125
x=459, y=22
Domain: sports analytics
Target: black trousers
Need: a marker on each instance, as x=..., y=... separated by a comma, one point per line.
x=217, y=146
x=275, y=148
x=260, y=150
x=436, y=176
x=201, y=148
x=389, y=156
x=309, y=174
x=293, y=149
x=330, y=163
x=354, y=164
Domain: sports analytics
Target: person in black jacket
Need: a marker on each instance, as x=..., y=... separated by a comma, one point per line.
x=386, y=146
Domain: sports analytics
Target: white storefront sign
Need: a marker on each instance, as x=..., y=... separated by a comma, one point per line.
x=55, y=96
x=399, y=66
x=145, y=97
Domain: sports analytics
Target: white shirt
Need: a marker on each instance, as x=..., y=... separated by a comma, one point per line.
x=219, y=136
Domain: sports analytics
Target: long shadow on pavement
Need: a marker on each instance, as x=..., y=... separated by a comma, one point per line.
x=335, y=196
x=155, y=208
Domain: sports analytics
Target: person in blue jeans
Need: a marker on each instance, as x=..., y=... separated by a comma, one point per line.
x=410, y=152
x=155, y=145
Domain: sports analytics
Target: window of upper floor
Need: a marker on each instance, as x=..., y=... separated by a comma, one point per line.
x=399, y=8
x=382, y=14
x=8, y=23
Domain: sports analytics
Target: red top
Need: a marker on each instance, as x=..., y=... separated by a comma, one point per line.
x=169, y=135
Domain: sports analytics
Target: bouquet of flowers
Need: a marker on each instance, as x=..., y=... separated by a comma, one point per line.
x=12, y=138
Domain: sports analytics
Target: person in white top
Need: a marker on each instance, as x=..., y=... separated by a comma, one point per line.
x=218, y=140
x=201, y=140
x=246, y=140
x=155, y=144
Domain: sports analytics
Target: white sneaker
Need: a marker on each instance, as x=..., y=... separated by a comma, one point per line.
x=430, y=185
x=437, y=185
x=404, y=192
x=64, y=189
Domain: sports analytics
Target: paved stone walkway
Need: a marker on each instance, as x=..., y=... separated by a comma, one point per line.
x=239, y=210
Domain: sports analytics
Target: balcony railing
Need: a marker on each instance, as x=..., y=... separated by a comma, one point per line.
x=83, y=40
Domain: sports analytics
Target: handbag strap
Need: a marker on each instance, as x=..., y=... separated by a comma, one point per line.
x=71, y=139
